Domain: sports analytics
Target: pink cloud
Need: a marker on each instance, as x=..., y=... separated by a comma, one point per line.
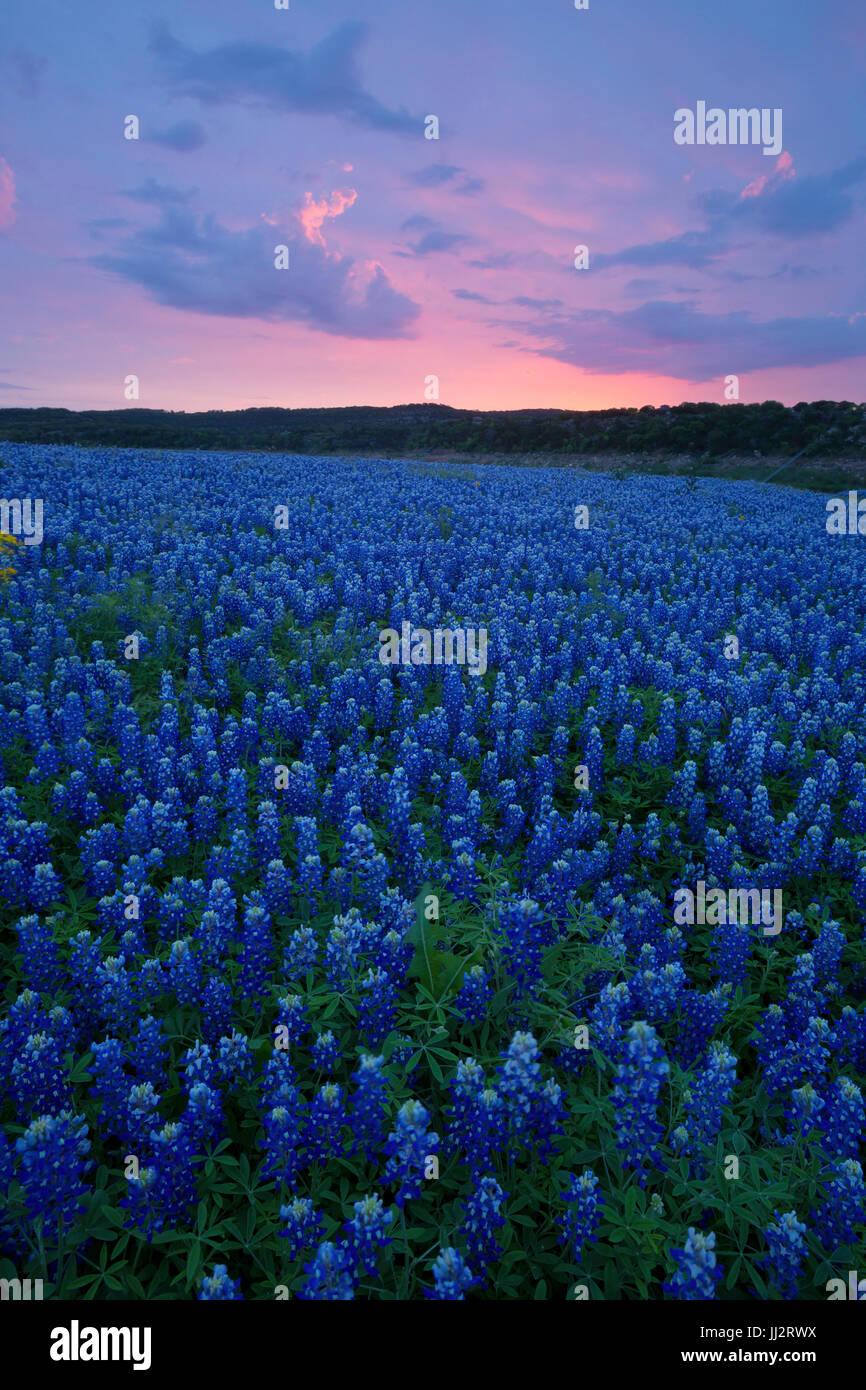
x=784, y=170
x=7, y=194
x=314, y=212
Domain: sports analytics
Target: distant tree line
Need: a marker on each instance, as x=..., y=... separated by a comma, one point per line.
x=828, y=428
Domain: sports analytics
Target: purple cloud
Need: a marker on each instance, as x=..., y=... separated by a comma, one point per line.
x=432, y=175
x=692, y=249
x=781, y=205
x=543, y=305
x=194, y=263
x=495, y=261
x=678, y=340
x=793, y=207
x=434, y=239
x=324, y=81
x=435, y=175
x=183, y=137
x=471, y=295
x=159, y=193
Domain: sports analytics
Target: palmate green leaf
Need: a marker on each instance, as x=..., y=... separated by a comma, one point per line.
x=105, y=1235
x=193, y=1263
x=445, y=969
x=512, y=1258
x=757, y=1278
x=83, y=1282
x=434, y=1067
x=499, y=1000
x=428, y=965
x=232, y=1228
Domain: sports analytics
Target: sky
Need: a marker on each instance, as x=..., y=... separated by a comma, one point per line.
x=428, y=268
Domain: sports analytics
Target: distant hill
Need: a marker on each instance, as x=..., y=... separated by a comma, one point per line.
x=821, y=428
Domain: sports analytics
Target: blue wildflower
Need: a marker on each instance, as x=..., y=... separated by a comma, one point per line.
x=452, y=1277
x=696, y=1274
x=219, y=1286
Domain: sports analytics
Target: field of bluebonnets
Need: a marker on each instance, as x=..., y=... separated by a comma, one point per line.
x=326, y=978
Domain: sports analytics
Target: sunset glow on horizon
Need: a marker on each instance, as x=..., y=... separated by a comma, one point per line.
x=413, y=257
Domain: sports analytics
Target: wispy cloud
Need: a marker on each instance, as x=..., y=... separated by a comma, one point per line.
x=472, y=296
x=692, y=249
x=433, y=175
x=159, y=193
x=437, y=175
x=183, y=137
x=780, y=204
x=434, y=238
x=495, y=261
x=325, y=81
x=663, y=338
